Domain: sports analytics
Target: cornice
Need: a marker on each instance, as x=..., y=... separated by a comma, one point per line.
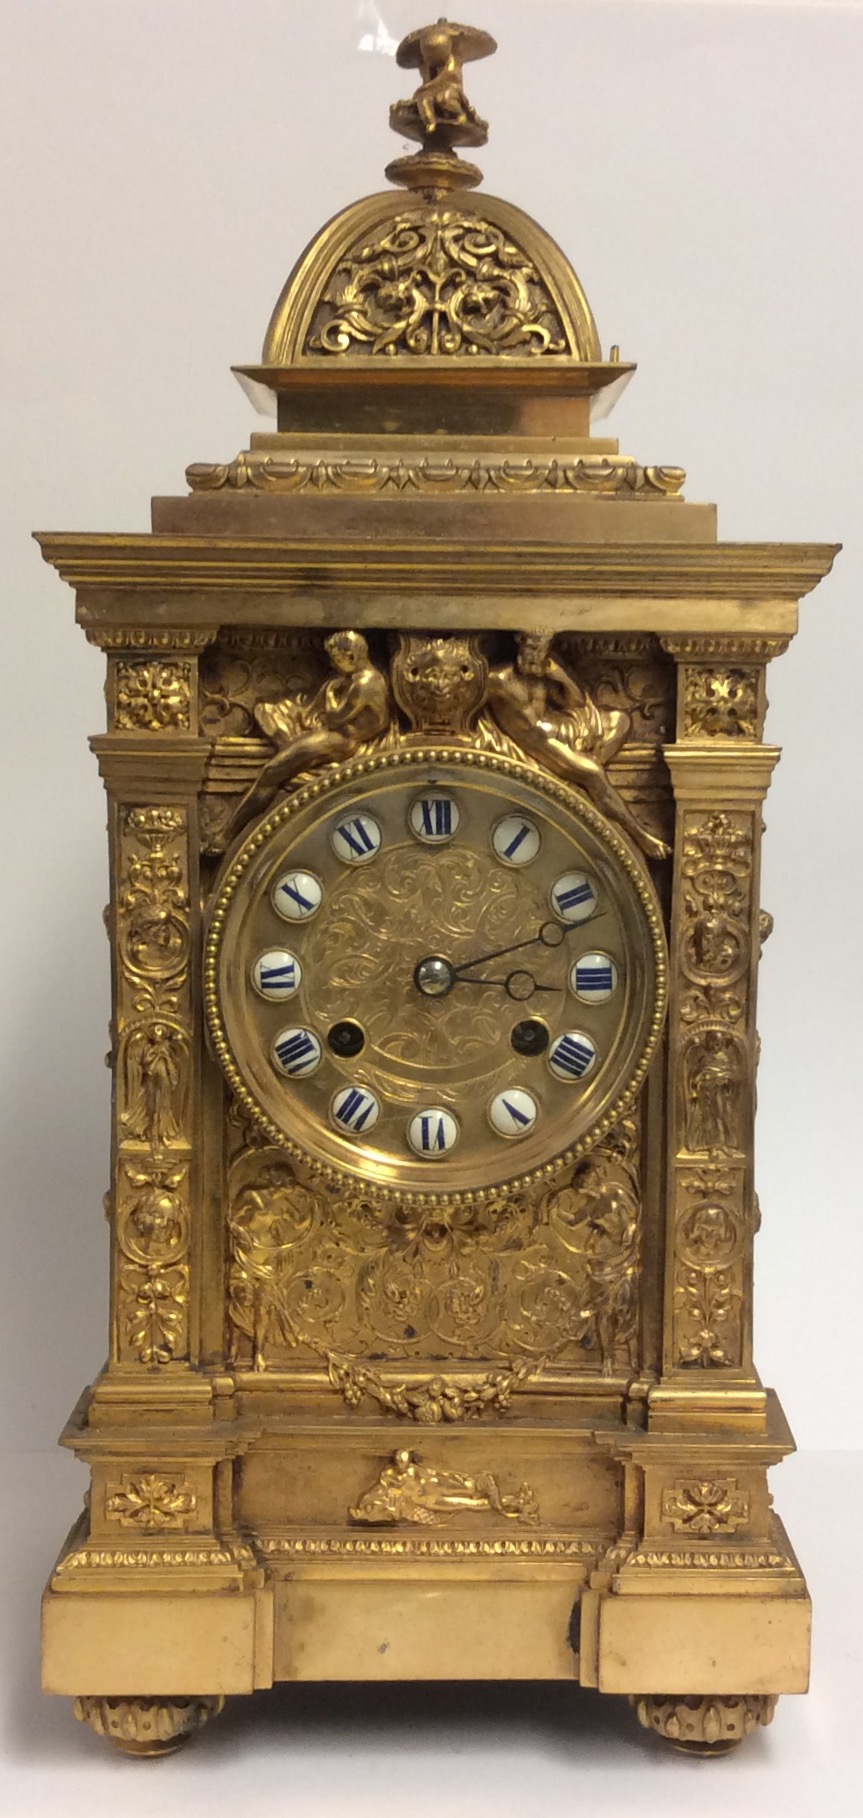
x=202, y=583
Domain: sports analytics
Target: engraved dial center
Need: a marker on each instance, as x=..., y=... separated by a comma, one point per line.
x=434, y=976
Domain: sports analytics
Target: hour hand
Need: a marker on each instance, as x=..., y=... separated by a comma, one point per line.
x=435, y=976
x=519, y=985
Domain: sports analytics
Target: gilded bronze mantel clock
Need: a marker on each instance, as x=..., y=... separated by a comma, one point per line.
x=435, y=771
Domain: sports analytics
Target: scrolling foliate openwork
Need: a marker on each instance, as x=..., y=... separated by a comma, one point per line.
x=437, y=282
x=550, y=1275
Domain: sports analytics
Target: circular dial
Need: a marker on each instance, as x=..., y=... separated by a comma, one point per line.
x=475, y=969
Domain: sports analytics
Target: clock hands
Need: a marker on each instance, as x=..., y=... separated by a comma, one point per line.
x=519, y=985
x=551, y=934
x=435, y=976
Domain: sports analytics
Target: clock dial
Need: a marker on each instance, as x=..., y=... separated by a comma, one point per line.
x=445, y=908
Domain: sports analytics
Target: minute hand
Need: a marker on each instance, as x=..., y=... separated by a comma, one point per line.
x=551, y=934
x=497, y=953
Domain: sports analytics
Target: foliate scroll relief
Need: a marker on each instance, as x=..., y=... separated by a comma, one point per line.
x=244, y=669
x=705, y=1506
x=152, y=1234
x=437, y=282
x=153, y=696
x=152, y=1017
x=631, y=673
x=721, y=703
x=711, y=1241
x=713, y=1209
x=410, y=1491
x=550, y=1275
x=152, y=1502
x=153, y=902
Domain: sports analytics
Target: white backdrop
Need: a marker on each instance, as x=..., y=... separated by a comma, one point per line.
x=164, y=163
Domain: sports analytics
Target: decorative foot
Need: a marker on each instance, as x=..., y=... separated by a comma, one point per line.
x=147, y=1726
x=704, y=1726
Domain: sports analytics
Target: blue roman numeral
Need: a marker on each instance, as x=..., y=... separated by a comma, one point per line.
x=356, y=837
x=304, y=904
x=570, y=899
x=571, y=1056
x=432, y=1133
x=516, y=840
x=354, y=1110
x=518, y=1117
x=436, y=816
x=297, y=1052
x=277, y=977
x=594, y=978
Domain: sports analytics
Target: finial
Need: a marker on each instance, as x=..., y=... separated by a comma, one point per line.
x=439, y=114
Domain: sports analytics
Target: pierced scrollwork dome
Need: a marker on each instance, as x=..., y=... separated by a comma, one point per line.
x=450, y=278
x=426, y=286
x=433, y=339
x=445, y=276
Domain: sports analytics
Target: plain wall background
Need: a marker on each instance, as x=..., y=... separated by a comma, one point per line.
x=164, y=162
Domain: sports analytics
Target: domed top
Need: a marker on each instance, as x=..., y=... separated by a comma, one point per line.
x=431, y=352
x=431, y=277
x=426, y=285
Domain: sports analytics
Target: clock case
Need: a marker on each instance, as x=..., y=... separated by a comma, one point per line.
x=570, y=1483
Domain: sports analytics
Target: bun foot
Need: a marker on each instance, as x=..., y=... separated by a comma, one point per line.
x=147, y=1726
x=704, y=1726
